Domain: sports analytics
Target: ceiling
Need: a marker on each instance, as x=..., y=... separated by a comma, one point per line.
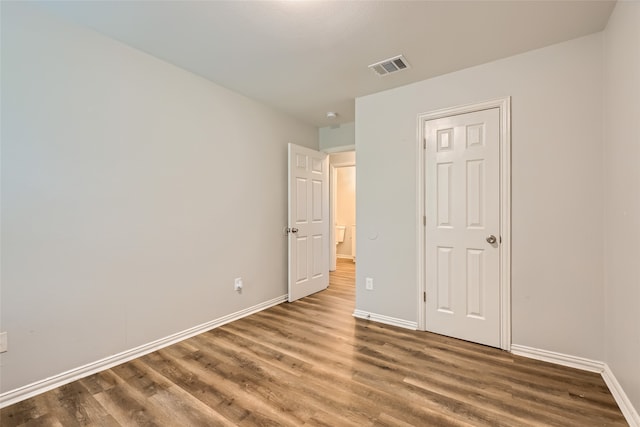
x=309, y=57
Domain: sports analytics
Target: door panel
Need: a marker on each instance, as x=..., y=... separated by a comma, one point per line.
x=301, y=200
x=444, y=194
x=318, y=268
x=444, y=279
x=316, y=200
x=475, y=193
x=308, y=222
x=475, y=287
x=462, y=185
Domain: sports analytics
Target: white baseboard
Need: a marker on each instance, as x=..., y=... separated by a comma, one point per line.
x=558, y=358
x=629, y=412
x=393, y=321
x=13, y=396
x=343, y=256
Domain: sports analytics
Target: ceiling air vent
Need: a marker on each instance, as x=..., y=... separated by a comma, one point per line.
x=391, y=65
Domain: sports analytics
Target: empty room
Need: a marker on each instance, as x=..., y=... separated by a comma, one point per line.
x=177, y=246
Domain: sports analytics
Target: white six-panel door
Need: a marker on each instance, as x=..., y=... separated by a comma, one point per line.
x=462, y=254
x=308, y=229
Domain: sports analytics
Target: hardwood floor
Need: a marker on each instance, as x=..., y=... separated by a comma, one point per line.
x=312, y=363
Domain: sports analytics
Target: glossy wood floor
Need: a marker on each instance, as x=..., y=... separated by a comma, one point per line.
x=312, y=363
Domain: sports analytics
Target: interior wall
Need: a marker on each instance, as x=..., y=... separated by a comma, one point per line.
x=622, y=196
x=336, y=137
x=557, y=242
x=346, y=207
x=133, y=193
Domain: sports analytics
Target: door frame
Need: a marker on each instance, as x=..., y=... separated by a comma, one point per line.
x=504, y=106
x=333, y=196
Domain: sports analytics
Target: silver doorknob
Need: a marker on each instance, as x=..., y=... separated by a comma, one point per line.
x=491, y=239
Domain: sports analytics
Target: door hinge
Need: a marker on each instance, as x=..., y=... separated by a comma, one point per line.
x=424, y=145
x=424, y=220
x=500, y=239
x=424, y=296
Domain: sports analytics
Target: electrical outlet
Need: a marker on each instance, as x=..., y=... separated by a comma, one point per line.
x=368, y=283
x=3, y=342
x=237, y=284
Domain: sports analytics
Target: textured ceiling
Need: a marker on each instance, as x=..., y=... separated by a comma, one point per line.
x=309, y=57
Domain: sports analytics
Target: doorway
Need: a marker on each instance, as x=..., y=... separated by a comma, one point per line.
x=342, y=200
x=464, y=213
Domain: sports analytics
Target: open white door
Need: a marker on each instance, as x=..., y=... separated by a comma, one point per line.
x=463, y=226
x=308, y=229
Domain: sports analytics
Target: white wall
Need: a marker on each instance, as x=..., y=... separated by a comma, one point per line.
x=332, y=137
x=557, y=242
x=133, y=192
x=622, y=196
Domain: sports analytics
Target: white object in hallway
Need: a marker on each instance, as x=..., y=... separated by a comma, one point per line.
x=463, y=226
x=353, y=242
x=308, y=229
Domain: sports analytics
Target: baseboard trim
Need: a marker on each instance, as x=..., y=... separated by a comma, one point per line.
x=343, y=256
x=393, y=321
x=629, y=412
x=558, y=358
x=14, y=396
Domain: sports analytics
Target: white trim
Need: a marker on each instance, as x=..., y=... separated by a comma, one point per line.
x=505, y=224
x=621, y=398
x=420, y=213
x=343, y=164
x=342, y=256
x=629, y=412
x=558, y=358
x=380, y=318
x=38, y=387
x=340, y=149
x=504, y=105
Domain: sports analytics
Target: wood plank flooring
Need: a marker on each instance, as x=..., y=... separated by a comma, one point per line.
x=312, y=363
